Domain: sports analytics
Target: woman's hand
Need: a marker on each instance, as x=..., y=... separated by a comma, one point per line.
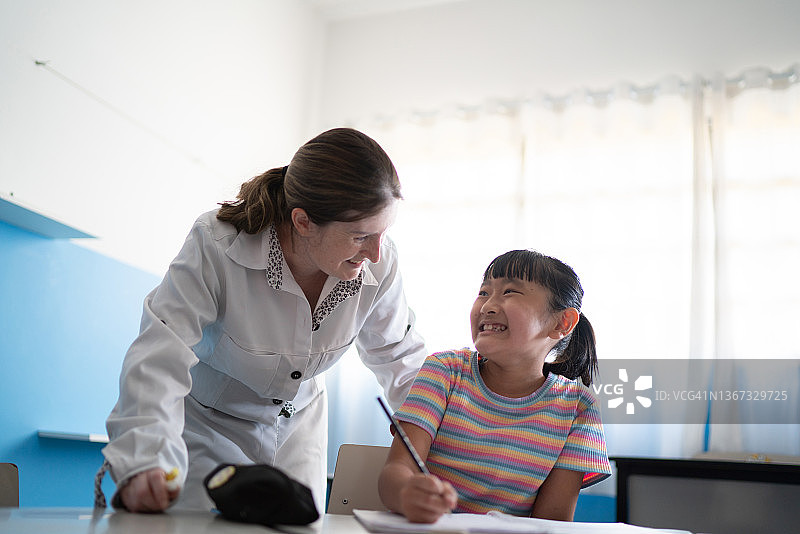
x=425, y=498
x=147, y=492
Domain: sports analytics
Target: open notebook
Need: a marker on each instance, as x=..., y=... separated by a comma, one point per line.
x=494, y=523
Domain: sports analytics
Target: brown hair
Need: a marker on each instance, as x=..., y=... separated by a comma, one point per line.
x=340, y=175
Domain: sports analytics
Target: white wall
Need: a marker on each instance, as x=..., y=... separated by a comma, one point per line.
x=149, y=112
x=467, y=51
x=166, y=108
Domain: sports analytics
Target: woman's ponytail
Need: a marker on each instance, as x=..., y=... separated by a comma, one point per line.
x=261, y=202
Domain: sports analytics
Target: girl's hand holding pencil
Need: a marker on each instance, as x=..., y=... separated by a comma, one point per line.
x=424, y=496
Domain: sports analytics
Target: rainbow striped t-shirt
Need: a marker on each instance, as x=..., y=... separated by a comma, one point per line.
x=496, y=451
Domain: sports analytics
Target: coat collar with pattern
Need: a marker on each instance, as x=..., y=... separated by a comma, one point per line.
x=263, y=251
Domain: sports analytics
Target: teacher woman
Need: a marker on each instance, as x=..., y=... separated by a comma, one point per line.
x=266, y=294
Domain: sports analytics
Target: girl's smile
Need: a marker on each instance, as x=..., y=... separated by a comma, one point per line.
x=512, y=317
x=490, y=328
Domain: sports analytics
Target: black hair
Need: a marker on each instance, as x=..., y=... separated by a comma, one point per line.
x=576, y=354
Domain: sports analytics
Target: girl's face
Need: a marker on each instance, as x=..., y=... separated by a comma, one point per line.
x=512, y=318
x=340, y=249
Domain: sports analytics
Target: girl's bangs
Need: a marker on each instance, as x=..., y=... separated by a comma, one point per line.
x=518, y=264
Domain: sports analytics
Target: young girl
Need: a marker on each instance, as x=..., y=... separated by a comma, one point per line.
x=500, y=428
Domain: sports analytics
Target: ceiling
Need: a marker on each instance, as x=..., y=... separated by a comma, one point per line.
x=348, y=9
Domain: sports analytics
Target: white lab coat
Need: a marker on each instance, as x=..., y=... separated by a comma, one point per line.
x=228, y=338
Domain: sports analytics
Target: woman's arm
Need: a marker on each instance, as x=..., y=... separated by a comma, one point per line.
x=388, y=343
x=146, y=424
x=403, y=489
x=558, y=495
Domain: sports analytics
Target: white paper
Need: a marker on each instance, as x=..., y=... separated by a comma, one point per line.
x=494, y=523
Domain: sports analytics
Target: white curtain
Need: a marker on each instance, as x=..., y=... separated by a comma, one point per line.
x=755, y=153
x=608, y=189
x=677, y=204
x=460, y=176
x=460, y=173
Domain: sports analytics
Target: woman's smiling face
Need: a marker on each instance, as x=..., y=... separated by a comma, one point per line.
x=340, y=249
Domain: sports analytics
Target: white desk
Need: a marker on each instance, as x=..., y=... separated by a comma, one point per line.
x=87, y=521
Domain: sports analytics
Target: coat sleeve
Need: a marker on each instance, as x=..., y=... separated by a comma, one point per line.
x=146, y=424
x=388, y=343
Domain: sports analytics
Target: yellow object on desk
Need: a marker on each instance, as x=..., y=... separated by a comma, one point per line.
x=172, y=479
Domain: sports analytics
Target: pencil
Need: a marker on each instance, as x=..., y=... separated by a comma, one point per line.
x=404, y=437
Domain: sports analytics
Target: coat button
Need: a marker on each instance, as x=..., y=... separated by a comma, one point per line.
x=277, y=401
x=296, y=374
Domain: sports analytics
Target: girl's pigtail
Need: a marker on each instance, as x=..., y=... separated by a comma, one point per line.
x=579, y=357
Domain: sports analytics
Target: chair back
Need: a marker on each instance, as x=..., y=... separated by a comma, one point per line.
x=9, y=485
x=355, y=479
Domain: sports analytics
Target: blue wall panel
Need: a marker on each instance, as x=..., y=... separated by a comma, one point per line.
x=67, y=316
x=596, y=508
